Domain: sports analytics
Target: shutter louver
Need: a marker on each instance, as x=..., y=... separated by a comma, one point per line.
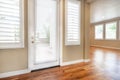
x=73, y=22
x=9, y=21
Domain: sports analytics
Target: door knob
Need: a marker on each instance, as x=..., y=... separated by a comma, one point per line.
x=33, y=42
x=32, y=39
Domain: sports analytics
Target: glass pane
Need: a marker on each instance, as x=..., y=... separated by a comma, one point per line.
x=111, y=30
x=99, y=32
x=45, y=32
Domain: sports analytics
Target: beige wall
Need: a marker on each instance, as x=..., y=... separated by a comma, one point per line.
x=72, y=53
x=17, y=59
x=103, y=43
x=86, y=22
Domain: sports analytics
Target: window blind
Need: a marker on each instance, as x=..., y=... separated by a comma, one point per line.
x=73, y=22
x=10, y=22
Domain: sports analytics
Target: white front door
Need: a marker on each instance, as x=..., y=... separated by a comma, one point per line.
x=44, y=36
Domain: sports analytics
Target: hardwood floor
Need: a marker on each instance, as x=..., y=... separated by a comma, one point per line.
x=104, y=65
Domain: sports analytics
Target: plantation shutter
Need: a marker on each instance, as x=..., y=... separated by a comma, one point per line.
x=73, y=22
x=10, y=22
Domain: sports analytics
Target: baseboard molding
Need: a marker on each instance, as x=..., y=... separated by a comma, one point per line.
x=72, y=62
x=14, y=73
x=87, y=60
x=105, y=47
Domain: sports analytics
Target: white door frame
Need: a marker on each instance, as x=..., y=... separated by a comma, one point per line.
x=31, y=23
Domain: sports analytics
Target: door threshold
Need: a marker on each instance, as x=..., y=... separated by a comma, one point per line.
x=45, y=68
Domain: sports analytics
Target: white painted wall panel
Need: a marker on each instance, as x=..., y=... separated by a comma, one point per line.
x=104, y=10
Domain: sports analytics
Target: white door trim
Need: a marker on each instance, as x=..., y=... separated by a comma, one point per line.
x=61, y=31
x=30, y=25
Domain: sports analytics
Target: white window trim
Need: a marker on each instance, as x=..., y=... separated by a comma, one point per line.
x=70, y=43
x=21, y=44
x=117, y=20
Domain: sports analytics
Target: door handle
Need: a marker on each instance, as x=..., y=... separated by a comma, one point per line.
x=33, y=42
